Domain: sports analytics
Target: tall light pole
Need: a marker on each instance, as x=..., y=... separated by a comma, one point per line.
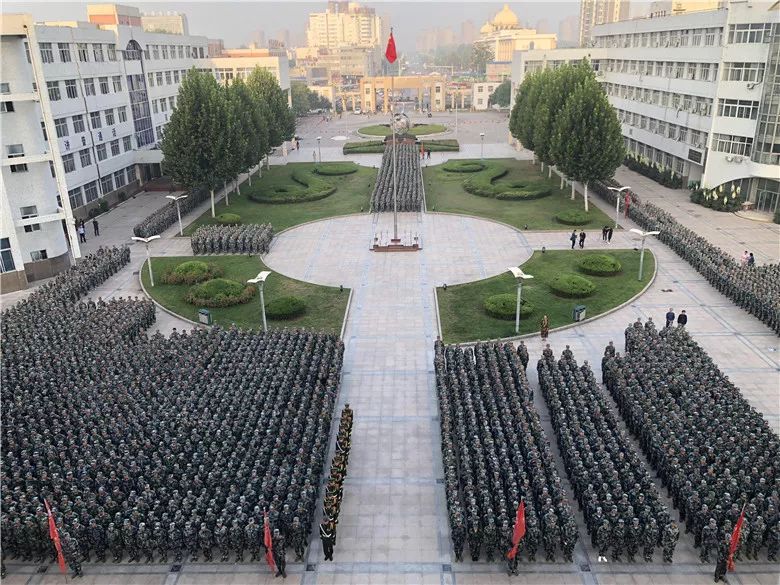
x=643, y=235
x=618, y=191
x=395, y=118
x=147, y=241
x=319, y=150
x=520, y=276
x=482, y=146
x=178, y=211
x=260, y=281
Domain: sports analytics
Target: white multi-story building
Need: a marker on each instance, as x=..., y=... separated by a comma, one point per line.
x=696, y=92
x=83, y=111
x=345, y=24
x=596, y=12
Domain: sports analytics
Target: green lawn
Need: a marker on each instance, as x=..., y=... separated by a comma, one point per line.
x=463, y=317
x=444, y=192
x=325, y=306
x=416, y=130
x=353, y=194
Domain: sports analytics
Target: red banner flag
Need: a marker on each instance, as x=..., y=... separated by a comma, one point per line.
x=269, y=543
x=735, y=540
x=519, y=531
x=390, y=53
x=55, y=536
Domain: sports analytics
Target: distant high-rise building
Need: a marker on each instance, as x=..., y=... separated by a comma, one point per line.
x=665, y=7
x=544, y=27
x=594, y=12
x=569, y=31
x=283, y=36
x=432, y=39
x=345, y=24
x=468, y=32
x=259, y=39
x=173, y=23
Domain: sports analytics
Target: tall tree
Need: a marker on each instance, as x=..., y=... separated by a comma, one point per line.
x=264, y=88
x=235, y=140
x=253, y=125
x=588, y=142
x=481, y=55
x=193, y=140
x=502, y=94
x=521, y=121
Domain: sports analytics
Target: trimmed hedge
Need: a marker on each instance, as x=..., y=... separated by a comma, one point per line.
x=483, y=184
x=572, y=285
x=305, y=187
x=717, y=200
x=220, y=292
x=336, y=169
x=228, y=219
x=463, y=166
x=378, y=146
x=600, y=265
x=192, y=272
x=504, y=306
x=285, y=308
x=573, y=217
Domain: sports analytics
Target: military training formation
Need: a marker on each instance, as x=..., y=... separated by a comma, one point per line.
x=408, y=180
x=232, y=239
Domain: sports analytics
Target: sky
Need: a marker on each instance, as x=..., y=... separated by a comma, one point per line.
x=236, y=22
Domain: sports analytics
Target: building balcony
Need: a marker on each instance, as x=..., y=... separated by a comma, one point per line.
x=20, y=97
x=58, y=215
x=27, y=159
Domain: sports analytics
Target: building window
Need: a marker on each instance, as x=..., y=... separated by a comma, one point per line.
x=163, y=105
x=111, y=49
x=83, y=52
x=181, y=51
x=6, y=107
x=122, y=110
x=54, y=90
x=106, y=184
x=738, y=109
x=69, y=163
x=165, y=51
x=750, y=72
x=127, y=143
x=89, y=86
x=731, y=144
x=47, y=55
x=97, y=51
x=76, y=198
x=172, y=101
x=86, y=157
x=109, y=117
x=38, y=255
x=103, y=81
x=176, y=76
x=119, y=179
x=91, y=191
x=95, y=120
x=155, y=107
x=168, y=78
x=43, y=131
x=27, y=52
x=756, y=32
x=159, y=78
x=65, y=55
x=151, y=79
x=117, y=81
x=101, y=152
x=61, y=125
x=22, y=168
x=6, y=256
x=115, y=147
x=156, y=52
x=28, y=213
x=70, y=88
x=130, y=172
x=78, y=123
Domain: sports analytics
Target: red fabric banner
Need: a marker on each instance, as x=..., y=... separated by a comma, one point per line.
x=390, y=53
x=519, y=531
x=269, y=543
x=735, y=540
x=55, y=536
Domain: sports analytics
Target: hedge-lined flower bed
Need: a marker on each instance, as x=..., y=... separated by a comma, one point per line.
x=192, y=272
x=220, y=292
x=336, y=169
x=600, y=265
x=664, y=176
x=282, y=308
x=504, y=306
x=717, y=199
x=306, y=187
x=572, y=286
x=573, y=217
x=463, y=166
x=483, y=184
x=378, y=146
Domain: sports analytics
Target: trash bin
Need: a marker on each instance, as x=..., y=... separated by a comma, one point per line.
x=578, y=314
x=204, y=316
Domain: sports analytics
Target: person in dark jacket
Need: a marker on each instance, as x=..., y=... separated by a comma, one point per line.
x=682, y=319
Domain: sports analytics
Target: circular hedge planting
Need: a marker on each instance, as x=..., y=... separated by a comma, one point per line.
x=285, y=308
x=191, y=272
x=504, y=306
x=228, y=219
x=573, y=217
x=305, y=186
x=220, y=292
x=335, y=169
x=463, y=166
x=572, y=285
x=600, y=265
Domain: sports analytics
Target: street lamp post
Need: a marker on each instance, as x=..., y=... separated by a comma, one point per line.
x=395, y=183
x=643, y=235
x=260, y=281
x=520, y=276
x=178, y=211
x=482, y=146
x=618, y=191
x=147, y=241
x=319, y=150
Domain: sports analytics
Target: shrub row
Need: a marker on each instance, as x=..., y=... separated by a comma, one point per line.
x=282, y=308
x=666, y=177
x=192, y=272
x=336, y=169
x=717, y=201
x=378, y=146
x=228, y=219
x=600, y=265
x=463, y=166
x=306, y=187
x=573, y=217
x=504, y=306
x=483, y=184
x=220, y=292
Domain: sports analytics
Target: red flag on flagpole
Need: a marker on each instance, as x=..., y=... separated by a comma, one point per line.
x=390, y=53
x=735, y=540
x=55, y=536
x=269, y=543
x=519, y=531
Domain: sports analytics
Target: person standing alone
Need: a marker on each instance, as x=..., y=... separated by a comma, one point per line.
x=96, y=227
